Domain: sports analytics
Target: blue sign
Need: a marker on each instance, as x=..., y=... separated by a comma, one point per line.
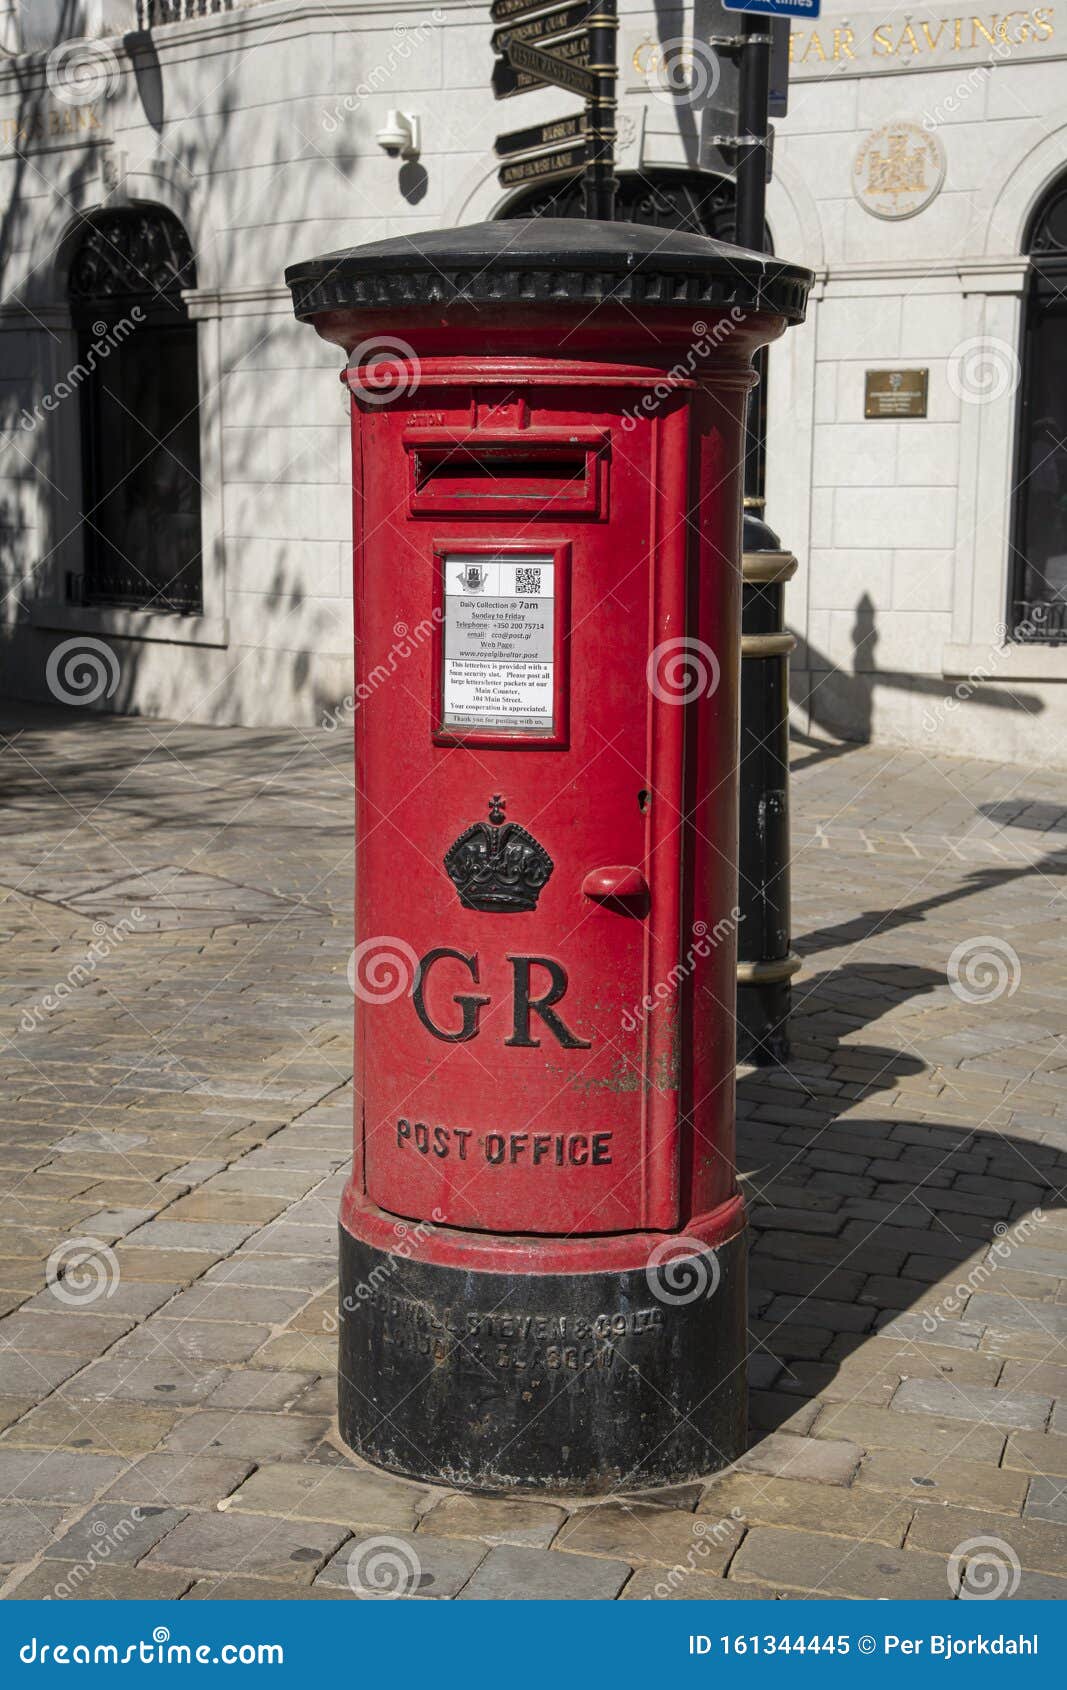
x=776, y=8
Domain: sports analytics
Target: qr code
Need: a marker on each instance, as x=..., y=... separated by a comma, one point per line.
x=528, y=581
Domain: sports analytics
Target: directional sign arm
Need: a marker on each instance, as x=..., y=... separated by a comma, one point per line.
x=550, y=68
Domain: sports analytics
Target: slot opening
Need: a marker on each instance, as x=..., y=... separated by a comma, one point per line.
x=460, y=473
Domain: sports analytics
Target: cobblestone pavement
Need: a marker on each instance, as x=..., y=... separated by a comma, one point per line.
x=174, y=910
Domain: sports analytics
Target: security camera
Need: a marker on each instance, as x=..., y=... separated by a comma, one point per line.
x=399, y=135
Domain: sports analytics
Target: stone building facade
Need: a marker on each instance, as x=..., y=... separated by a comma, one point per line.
x=162, y=161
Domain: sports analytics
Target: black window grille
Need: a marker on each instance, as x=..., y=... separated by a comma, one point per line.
x=1038, y=608
x=140, y=426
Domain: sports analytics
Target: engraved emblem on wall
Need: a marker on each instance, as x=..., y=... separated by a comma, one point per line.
x=898, y=170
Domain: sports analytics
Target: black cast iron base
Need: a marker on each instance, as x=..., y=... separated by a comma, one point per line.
x=576, y=1383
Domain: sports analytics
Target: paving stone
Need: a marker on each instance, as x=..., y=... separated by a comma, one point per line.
x=262, y=1437
x=261, y=1389
x=1019, y=1410
x=319, y=1396
x=271, y=1182
x=1009, y=1314
x=509, y=1574
x=839, y=1566
x=150, y=1379
x=659, y=1584
x=219, y=1237
x=378, y=1566
x=1038, y=1587
x=1047, y=1500
x=239, y=1206
x=637, y=1533
x=187, y=1481
x=778, y=1411
x=352, y=1495
x=1033, y=1345
x=840, y=1317
x=1037, y=1452
x=251, y=1304
x=137, y=1300
x=13, y=1408
x=1047, y=1378
x=25, y=1529
x=829, y=1461
x=34, y=1376
x=53, y=1582
x=494, y=1520
x=887, y=1428
x=307, y=1351
x=264, y=1590
x=109, y=1224
x=178, y=1267
x=195, y=1341
x=59, y=1476
x=301, y=1273
x=756, y=1499
x=79, y=1334
x=1040, y=1259
x=939, y=1479
x=113, y=1532
x=956, y=1334
x=290, y=1550
x=279, y=1239
x=120, y=1428
x=1038, y=1544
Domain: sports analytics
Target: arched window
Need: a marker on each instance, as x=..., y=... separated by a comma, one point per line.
x=692, y=200
x=140, y=426
x=1038, y=609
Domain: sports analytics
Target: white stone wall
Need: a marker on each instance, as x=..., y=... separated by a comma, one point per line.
x=257, y=128
x=905, y=537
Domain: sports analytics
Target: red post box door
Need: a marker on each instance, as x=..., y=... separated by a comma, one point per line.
x=520, y=841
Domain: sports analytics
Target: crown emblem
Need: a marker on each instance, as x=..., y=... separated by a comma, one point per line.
x=497, y=865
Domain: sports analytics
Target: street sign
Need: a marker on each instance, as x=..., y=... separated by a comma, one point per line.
x=582, y=35
x=561, y=20
x=538, y=136
x=503, y=10
x=776, y=8
x=778, y=92
x=563, y=68
x=507, y=81
x=566, y=161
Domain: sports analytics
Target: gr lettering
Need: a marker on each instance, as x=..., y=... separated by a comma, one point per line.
x=528, y=1000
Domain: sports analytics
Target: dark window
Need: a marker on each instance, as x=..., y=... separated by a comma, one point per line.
x=691, y=200
x=1038, y=610
x=139, y=411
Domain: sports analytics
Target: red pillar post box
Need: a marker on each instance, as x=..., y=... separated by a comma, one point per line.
x=542, y=1241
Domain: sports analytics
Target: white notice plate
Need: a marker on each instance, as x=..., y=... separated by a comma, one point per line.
x=499, y=644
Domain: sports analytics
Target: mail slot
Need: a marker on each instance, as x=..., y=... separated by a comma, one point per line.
x=481, y=472
x=542, y=1240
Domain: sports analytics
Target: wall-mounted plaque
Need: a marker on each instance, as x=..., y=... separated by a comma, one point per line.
x=895, y=393
x=898, y=169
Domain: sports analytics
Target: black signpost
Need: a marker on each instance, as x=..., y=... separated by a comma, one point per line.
x=571, y=46
x=765, y=961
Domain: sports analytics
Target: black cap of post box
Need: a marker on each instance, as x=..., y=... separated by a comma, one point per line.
x=549, y=261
